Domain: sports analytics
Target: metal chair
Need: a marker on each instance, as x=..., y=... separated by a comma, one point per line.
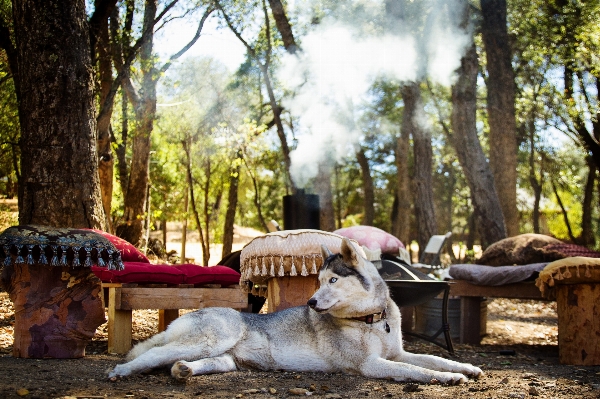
x=430, y=257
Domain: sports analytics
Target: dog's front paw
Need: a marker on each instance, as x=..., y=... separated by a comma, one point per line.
x=450, y=378
x=180, y=371
x=120, y=370
x=473, y=371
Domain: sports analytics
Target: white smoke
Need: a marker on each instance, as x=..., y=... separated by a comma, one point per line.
x=340, y=60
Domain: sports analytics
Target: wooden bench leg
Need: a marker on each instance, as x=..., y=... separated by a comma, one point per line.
x=119, y=324
x=470, y=320
x=165, y=317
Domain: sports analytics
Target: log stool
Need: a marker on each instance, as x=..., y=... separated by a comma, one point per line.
x=56, y=297
x=575, y=283
x=284, y=265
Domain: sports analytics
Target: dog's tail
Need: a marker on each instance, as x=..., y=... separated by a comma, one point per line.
x=142, y=347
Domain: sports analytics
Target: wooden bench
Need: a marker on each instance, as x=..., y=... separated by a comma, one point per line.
x=471, y=296
x=124, y=298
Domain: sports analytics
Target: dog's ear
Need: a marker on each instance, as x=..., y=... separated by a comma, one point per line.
x=325, y=252
x=349, y=253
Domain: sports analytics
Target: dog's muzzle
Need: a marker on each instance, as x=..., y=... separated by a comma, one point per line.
x=312, y=303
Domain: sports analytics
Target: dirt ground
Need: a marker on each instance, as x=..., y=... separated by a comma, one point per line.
x=528, y=328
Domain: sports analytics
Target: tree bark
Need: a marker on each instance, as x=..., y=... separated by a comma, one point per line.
x=105, y=157
x=501, y=109
x=422, y=182
x=535, y=184
x=368, y=192
x=135, y=201
x=488, y=213
x=323, y=189
x=232, y=200
x=401, y=225
x=59, y=165
x=283, y=25
x=587, y=233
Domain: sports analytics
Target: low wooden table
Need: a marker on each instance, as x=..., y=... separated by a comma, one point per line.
x=472, y=295
x=124, y=298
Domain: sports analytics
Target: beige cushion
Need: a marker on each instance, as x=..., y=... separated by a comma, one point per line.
x=523, y=249
x=285, y=253
x=574, y=270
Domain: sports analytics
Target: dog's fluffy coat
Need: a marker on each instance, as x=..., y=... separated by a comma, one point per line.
x=330, y=337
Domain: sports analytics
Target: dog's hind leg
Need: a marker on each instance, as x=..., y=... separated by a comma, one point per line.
x=438, y=363
x=383, y=368
x=144, y=346
x=182, y=370
x=154, y=357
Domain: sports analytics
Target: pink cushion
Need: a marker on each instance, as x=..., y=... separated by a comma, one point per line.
x=200, y=275
x=372, y=238
x=129, y=253
x=141, y=272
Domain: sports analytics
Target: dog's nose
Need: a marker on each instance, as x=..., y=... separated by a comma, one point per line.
x=312, y=302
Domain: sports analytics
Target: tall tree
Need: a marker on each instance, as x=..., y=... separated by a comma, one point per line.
x=501, y=109
x=100, y=45
x=367, y=188
x=423, y=153
x=144, y=104
x=488, y=213
x=261, y=54
x=59, y=164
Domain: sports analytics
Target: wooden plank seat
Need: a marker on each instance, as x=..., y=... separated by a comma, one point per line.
x=123, y=298
x=471, y=296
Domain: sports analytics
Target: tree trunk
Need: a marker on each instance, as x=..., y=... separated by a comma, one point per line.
x=232, y=200
x=59, y=165
x=501, y=110
x=535, y=184
x=488, y=213
x=135, y=200
x=401, y=223
x=368, y=192
x=323, y=189
x=283, y=26
x=105, y=157
x=587, y=233
x=422, y=183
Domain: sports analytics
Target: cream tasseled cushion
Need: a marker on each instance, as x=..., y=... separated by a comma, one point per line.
x=285, y=253
x=573, y=270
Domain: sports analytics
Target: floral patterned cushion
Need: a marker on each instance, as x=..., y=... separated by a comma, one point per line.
x=34, y=244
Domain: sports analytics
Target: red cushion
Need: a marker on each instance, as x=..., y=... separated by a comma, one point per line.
x=372, y=238
x=569, y=250
x=200, y=275
x=141, y=272
x=129, y=253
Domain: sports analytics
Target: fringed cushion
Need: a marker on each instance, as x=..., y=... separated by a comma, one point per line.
x=285, y=253
x=523, y=249
x=32, y=244
x=574, y=270
x=129, y=253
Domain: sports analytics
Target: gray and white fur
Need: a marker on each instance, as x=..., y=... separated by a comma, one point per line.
x=328, y=335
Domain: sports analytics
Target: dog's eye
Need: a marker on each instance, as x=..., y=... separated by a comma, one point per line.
x=332, y=280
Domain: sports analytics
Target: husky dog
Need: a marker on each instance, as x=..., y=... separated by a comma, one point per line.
x=350, y=325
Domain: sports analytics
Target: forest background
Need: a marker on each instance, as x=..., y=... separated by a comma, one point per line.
x=417, y=117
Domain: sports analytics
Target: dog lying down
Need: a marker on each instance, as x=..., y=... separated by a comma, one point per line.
x=350, y=325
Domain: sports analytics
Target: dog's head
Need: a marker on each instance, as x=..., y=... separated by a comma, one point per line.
x=350, y=285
